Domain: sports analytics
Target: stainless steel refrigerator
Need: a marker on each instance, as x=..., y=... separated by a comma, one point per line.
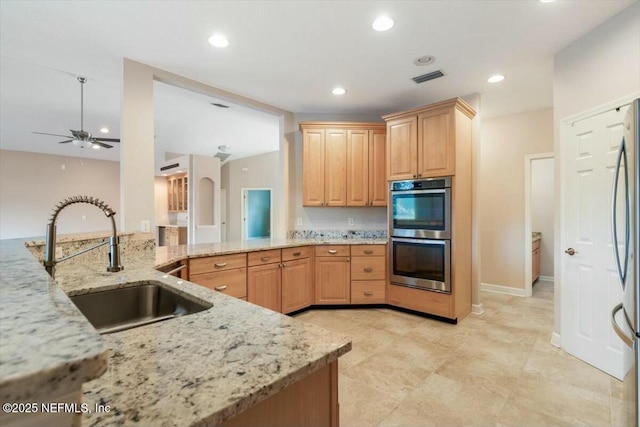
x=625, y=317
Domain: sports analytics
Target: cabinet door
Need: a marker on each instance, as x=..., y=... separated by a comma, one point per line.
x=378, y=189
x=357, y=167
x=264, y=286
x=402, y=154
x=436, y=144
x=297, y=285
x=313, y=167
x=335, y=167
x=332, y=284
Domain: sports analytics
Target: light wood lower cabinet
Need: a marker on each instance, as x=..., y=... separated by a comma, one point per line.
x=332, y=275
x=368, y=274
x=264, y=286
x=297, y=285
x=435, y=303
x=223, y=273
x=535, y=260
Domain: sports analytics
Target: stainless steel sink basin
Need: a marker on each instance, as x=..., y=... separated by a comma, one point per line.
x=125, y=308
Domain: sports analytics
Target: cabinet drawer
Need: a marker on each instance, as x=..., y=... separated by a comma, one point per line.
x=263, y=257
x=230, y=282
x=368, y=292
x=368, y=250
x=332, y=250
x=368, y=268
x=419, y=300
x=289, y=254
x=217, y=263
x=535, y=245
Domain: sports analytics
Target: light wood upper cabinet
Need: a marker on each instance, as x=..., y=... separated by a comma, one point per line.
x=344, y=164
x=422, y=143
x=177, y=193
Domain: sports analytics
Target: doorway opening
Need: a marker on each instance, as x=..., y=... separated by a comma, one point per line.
x=539, y=221
x=256, y=213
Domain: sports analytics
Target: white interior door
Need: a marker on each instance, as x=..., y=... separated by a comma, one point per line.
x=590, y=287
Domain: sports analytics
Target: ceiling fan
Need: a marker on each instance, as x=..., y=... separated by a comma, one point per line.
x=82, y=138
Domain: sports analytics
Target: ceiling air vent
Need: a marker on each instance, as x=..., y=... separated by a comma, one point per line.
x=429, y=76
x=222, y=156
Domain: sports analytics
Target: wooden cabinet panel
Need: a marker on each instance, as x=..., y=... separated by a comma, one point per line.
x=368, y=250
x=368, y=268
x=313, y=149
x=436, y=147
x=297, y=284
x=289, y=254
x=335, y=167
x=535, y=260
x=263, y=257
x=368, y=292
x=177, y=194
x=264, y=286
x=230, y=282
x=402, y=150
x=419, y=300
x=332, y=281
x=378, y=189
x=217, y=263
x=332, y=250
x=358, y=167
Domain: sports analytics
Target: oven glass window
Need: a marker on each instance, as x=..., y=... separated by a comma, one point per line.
x=419, y=260
x=419, y=211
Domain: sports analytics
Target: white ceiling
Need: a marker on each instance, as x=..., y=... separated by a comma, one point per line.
x=289, y=54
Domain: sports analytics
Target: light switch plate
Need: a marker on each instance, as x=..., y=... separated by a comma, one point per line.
x=298, y=221
x=145, y=226
x=351, y=221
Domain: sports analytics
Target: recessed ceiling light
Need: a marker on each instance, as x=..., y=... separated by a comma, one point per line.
x=382, y=23
x=95, y=146
x=424, y=60
x=496, y=78
x=218, y=40
x=338, y=91
x=223, y=147
x=546, y=1
x=104, y=130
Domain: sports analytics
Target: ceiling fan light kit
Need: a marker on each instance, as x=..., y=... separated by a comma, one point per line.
x=81, y=138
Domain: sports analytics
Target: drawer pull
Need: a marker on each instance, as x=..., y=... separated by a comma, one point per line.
x=297, y=253
x=220, y=264
x=265, y=258
x=368, y=251
x=368, y=270
x=333, y=251
x=220, y=288
x=368, y=293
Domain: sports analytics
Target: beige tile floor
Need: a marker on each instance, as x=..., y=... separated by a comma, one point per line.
x=495, y=369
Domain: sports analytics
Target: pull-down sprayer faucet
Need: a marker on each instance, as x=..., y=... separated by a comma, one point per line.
x=50, y=260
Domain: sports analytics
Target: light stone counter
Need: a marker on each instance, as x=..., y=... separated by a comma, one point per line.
x=200, y=369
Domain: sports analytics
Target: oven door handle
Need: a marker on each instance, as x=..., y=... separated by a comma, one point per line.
x=420, y=241
x=430, y=191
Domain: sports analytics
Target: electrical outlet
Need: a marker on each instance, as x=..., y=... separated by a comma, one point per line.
x=351, y=221
x=298, y=221
x=84, y=217
x=145, y=226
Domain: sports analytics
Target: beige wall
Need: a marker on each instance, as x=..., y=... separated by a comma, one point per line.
x=261, y=172
x=542, y=210
x=505, y=141
x=32, y=184
x=599, y=67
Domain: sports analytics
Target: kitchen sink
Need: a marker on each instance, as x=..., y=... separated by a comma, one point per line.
x=133, y=306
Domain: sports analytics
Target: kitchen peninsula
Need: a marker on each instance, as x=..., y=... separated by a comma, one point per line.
x=232, y=364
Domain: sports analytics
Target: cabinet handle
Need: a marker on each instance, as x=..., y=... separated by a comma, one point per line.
x=368, y=293
x=220, y=264
x=368, y=251
x=220, y=288
x=348, y=259
x=265, y=258
x=283, y=265
x=368, y=270
x=297, y=253
x=333, y=251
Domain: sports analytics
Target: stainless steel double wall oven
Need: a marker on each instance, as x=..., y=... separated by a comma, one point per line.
x=420, y=233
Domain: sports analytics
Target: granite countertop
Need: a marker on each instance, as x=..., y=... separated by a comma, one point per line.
x=198, y=369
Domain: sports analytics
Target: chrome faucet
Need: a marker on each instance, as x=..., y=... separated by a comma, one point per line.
x=50, y=260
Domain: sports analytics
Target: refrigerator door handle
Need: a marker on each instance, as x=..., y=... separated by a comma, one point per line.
x=630, y=342
x=622, y=273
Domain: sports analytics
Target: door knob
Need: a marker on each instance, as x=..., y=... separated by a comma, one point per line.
x=570, y=251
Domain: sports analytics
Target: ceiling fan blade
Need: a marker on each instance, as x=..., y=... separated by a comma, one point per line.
x=53, y=134
x=64, y=142
x=95, y=138
x=101, y=144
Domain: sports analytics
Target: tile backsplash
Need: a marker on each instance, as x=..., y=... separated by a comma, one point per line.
x=337, y=234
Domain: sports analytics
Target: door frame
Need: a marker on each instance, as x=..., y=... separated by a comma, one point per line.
x=528, y=160
x=560, y=234
x=243, y=227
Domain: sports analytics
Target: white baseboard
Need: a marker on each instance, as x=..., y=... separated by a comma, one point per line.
x=546, y=278
x=499, y=289
x=477, y=309
x=555, y=340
